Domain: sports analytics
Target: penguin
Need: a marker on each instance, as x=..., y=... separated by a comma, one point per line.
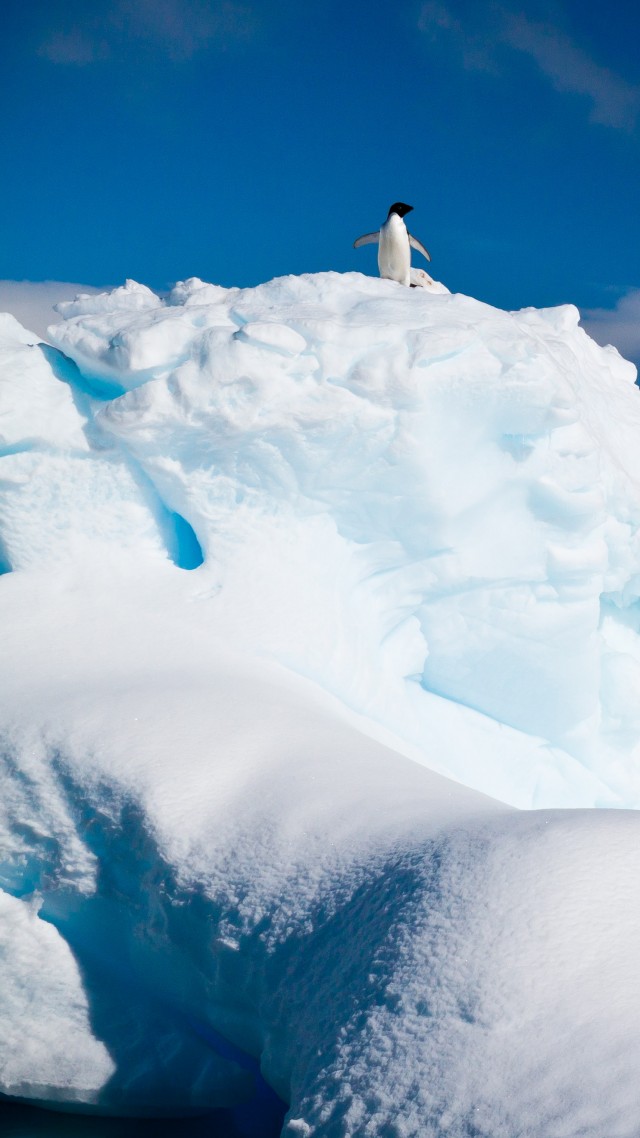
x=395, y=243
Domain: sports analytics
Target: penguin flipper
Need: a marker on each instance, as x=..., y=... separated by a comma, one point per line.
x=415, y=244
x=367, y=239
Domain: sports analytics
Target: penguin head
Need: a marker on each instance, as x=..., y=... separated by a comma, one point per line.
x=400, y=208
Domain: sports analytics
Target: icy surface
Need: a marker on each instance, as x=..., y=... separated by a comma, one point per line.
x=294, y=577
x=402, y=495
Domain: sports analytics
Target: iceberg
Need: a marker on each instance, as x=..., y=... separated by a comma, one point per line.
x=320, y=637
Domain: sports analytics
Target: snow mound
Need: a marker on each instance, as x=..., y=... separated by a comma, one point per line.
x=404, y=494
x=285, y=568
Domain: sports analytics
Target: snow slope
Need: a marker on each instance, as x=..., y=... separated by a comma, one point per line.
x=401, y=495
x=296, y=576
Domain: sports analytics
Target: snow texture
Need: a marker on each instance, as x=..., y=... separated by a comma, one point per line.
x=306, y=587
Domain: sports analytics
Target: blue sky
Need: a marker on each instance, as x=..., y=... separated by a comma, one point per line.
x=160, y=139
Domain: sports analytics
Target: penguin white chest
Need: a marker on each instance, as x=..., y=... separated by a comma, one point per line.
x=394, y=251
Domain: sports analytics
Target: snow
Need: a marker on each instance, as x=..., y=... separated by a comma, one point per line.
x=397, y=491
x=39, y=969
x=307, y=587
x=32, y=302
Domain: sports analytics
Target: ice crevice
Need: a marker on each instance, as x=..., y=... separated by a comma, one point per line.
x=85, y=388
x=68, y=470
x=166, y=1058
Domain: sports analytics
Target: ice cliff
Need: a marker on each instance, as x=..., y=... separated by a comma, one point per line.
x=296, y=576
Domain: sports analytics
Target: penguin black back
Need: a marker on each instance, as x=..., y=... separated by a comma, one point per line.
x=400, y=208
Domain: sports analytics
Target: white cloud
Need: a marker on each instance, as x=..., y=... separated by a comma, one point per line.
x=185, y=27
x=72, y=47
x=614, y=101
x=619, y=326
x=31, y=302
x=475, y=45
x=177, y=29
